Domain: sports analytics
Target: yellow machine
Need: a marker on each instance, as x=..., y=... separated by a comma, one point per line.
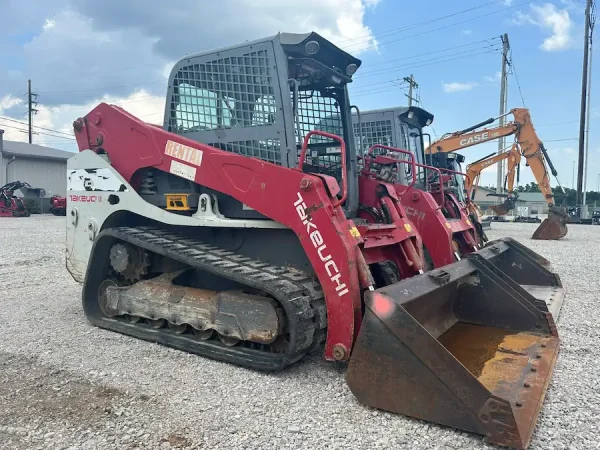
x=528, y=145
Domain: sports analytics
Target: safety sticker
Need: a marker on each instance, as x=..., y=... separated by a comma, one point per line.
x=354, y=232
x=183, y=170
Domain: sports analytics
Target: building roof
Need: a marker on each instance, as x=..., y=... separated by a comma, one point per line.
x=24, y=149
x=531, y=197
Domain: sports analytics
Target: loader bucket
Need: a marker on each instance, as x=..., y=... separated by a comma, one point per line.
x=464, y=346
x=553, y=227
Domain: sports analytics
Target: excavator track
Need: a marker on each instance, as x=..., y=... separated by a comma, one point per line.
x=296, y=292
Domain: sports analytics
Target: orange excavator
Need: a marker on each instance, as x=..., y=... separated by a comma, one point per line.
x=528, y=145
x=513, y=157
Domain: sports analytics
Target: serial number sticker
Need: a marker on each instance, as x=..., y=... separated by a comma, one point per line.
x=407, y=227
x=354, y=232
x=184, y=153
x=183, y=170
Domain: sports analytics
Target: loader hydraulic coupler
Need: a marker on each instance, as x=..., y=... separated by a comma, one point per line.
x=553, y=227
x=463, y=346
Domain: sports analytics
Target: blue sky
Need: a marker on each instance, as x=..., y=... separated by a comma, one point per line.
x=80, y=52
x=549, y=74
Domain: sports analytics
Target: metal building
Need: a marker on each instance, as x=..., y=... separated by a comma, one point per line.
x=41, y=167
x=534, y=202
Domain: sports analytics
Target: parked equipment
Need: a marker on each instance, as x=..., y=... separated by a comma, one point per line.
x=513, y=157
x=59, y=205
x=10, y=204
x=530, y=147
x=239, y=238
x=429, y=198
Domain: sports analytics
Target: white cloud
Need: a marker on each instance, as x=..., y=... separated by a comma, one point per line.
x=493, y=79
x=82, y=53
x=149, y=108
x=458, y=87
x=8, y=102
x=551, y=20
x=508, y=2
x=466, y=32
x=80, y=50
x=48, y=24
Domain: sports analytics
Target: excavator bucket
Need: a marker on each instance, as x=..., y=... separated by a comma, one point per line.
x=553, y=227
x=500, y=210
x=463, y=346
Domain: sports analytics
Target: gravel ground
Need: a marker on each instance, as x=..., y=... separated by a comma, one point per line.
x=66, y=384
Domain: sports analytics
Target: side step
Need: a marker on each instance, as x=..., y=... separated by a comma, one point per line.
x=464, y=346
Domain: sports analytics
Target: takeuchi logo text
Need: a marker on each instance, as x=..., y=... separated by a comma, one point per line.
x=85, y=198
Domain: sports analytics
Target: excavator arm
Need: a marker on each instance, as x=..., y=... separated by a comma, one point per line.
x=466, y=138
x=530, y=147
x=474, y=169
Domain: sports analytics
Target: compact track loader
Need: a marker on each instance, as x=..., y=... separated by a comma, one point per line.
x=233, y=232
x=10, y=204
x=435, y=197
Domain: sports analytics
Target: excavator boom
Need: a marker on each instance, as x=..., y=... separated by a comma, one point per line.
x=531, y=148
x=474, y=172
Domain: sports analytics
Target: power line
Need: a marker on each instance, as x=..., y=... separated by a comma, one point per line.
x=513, y=70
x=465, y=54
x=444, y=27
x=409, y=27
x=74, y=108
x=556, y=124
x=367, y=89
x=24, y=130
x=35, y=126
x=419, y=24
x=103, y=88
x=490, y=40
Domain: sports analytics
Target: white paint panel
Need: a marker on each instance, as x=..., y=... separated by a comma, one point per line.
x=102, y=179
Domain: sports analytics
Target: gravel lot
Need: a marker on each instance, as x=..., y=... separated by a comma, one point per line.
x=66, y=384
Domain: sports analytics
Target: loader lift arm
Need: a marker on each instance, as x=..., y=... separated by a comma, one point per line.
x=530, y=147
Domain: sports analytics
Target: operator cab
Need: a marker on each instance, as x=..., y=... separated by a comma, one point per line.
x=451, y=161
x=399, y=127
x=260, y=99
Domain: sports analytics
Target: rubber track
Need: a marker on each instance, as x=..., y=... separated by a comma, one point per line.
x=302, y=301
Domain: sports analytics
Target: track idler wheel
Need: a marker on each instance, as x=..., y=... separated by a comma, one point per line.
x=228, y=340
x=157, y=323
x=204, y=335
x=178, y=328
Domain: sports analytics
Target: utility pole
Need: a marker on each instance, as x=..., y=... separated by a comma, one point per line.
x=587, y=126
x=503, y=99
x=411, y=84
x=584, y=82
x=30, y=109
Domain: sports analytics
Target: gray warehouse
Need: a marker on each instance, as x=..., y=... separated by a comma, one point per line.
x=41, y=167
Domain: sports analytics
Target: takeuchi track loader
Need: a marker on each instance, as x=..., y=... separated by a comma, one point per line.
x=232, y=233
